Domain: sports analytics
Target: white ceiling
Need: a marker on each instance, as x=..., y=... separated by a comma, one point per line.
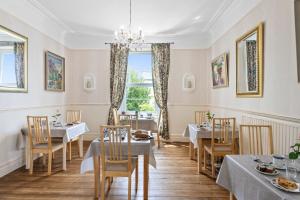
x=90, y=23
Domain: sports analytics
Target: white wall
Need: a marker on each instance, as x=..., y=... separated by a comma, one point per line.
x=14, y=107
x=281, y=89
x=95, y=105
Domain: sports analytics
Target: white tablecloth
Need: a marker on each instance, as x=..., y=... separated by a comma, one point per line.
x=193, y=132
x=66, y=132
x=137, y=148
x=238, y=175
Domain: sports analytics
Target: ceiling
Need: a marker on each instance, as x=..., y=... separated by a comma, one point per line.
x=90, y=23
x=156, y=17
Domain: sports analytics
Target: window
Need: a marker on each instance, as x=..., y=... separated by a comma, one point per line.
x=139, y=94
x=7, y=67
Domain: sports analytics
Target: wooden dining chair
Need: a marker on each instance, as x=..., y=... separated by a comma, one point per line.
x=222, y=141
x=129, y=119
x=73, y=116
x=39, y=136
x=116, y=157
x=256, y=139
x=200, y=117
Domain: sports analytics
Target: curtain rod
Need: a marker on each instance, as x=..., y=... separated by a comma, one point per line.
x=144, y=43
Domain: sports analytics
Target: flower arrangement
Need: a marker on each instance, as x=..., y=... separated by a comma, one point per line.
x=294, y=154
x=210, y=115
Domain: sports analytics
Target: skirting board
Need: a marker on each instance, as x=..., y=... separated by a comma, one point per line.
x=173, y=137
x=11, y=165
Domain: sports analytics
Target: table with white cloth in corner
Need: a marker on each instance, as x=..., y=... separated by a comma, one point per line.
x=66, y=132
x=91, y=161
x=238, y=175
x=198, y=137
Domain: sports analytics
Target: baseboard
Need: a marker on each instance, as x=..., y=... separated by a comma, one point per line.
x=11, y=165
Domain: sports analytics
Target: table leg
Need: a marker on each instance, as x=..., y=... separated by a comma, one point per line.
x=200, y=150
x=191, y=151
x=80, y=146
x=27, y=153
x=146, y=176
x=96, y=175
x=64, y=156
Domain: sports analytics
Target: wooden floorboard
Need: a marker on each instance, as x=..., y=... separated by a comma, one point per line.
x=175, y=178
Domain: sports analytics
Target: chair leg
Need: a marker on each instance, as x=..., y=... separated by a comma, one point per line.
x=204, y=160
x=102, y=187
x=136, y=176
x=109, y=182
x=158, y=140
x=129, y=187
x=49, y=162
x=44, y=159
x=31, y=162
x=213, y=170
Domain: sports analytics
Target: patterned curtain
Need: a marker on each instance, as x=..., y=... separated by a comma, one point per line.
x=118, y=70
x=19, y=64
x=251, y=65
x=160, y=74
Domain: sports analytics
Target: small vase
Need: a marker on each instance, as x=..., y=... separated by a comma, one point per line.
x=291, y=168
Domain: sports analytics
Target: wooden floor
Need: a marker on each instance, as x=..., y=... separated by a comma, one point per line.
x=175, y=178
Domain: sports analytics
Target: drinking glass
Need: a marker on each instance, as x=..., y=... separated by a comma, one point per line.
x=291, y=169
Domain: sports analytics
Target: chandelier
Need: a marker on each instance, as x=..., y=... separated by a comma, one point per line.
x=127, y=36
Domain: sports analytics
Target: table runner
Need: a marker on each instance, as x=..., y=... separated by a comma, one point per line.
x=137, y=148
x=238, y=175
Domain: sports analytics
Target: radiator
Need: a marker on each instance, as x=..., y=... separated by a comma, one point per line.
x=285, y=133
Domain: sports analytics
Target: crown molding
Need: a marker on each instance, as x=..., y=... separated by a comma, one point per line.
x=33, y=14
x=39, y=17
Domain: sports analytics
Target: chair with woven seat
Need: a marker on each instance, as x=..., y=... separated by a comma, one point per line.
x=256, y=139
x=116, y=157
x=40, y=141
x=73, y=116
x=222, y=141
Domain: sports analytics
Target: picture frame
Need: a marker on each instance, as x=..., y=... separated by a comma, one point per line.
x=54, y=72
x=219, y=67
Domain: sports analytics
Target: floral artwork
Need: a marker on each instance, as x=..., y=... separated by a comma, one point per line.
x=219, y=71
x=55, y=72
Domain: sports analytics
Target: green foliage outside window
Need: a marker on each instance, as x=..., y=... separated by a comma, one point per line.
x=138, y=98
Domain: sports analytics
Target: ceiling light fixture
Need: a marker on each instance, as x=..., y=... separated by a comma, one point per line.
x=126, y=35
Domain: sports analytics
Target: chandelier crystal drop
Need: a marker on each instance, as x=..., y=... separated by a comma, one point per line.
x=125, y=35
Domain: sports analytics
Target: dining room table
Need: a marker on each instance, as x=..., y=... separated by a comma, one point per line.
x=238, y=175
x=66, y=132
x=198, y=136
x=91, y=160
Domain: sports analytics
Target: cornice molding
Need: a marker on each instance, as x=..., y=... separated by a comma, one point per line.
x=229, y=12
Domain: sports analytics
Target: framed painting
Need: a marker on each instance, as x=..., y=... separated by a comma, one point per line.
x=54, y=72
x=220, y=71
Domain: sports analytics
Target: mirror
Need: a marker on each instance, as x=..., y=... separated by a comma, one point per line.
x=13, y=61
x=249, y=63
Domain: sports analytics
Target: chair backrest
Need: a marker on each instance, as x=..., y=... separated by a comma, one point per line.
x=200, y=117
x=73, y=116
x=129, y=119
x=256, y=139
x=223, y=132
x=116, y=117
x=38, y=130
x=117, y=148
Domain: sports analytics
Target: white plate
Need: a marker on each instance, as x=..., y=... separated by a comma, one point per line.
x=275, y=173
x=280, y=168
x=274, y=183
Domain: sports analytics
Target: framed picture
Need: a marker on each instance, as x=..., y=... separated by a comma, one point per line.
x=220, y=71
x=54, y=72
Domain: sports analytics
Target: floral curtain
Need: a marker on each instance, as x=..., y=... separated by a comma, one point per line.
x=160, y=74
x=19, y=63
x=118, y=70
x=251, y=65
